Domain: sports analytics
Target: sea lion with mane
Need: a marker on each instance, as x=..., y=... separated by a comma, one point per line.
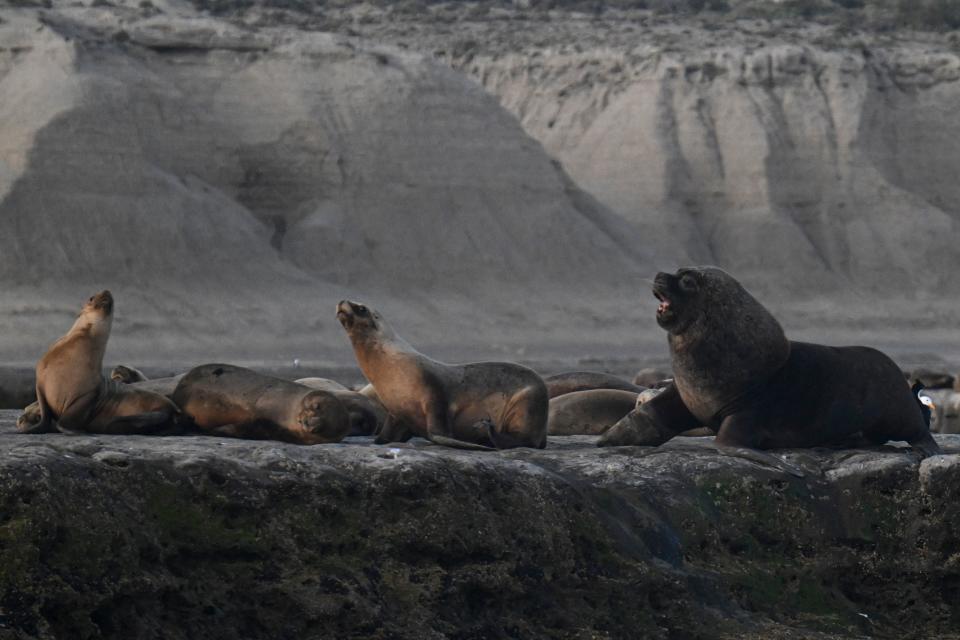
x=226, y=400
x=74, y=396
x=482, y=405
x=736, y=372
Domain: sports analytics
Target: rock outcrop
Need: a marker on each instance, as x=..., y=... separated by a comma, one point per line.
x=110, y=537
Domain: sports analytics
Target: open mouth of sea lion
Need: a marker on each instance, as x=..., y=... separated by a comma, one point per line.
x=345, y=313
x=663, y=286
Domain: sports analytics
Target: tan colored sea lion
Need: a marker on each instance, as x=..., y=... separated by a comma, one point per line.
x=588, y=412
x=73, y=394
x=225, y=400
x=736, y=372
x=164, y=386
x=367, y=416
x=487, y=404
x=559, y=384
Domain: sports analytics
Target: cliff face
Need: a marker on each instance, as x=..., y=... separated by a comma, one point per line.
x=815, y=169
x=221, y=172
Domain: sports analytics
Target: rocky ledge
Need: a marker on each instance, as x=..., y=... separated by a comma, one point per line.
x=186, y=537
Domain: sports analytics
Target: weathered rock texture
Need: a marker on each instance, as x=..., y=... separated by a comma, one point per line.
x=838, y=164
x=206, y=537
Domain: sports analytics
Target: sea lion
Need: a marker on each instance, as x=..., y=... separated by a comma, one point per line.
x=588, y=412
x=367, y=415
x=127, y=375
x=572, y=381
x=226, y=400
x=164, y=386
x=652, y=378
x=736, y=372
x=72, y=393
x=487, y=404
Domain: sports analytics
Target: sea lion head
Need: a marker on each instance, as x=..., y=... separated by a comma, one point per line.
x=96, y=316
x=362, y=322
x=700, y=296
x=323, y=418
x=722, y=340
x=100, y=304
x=685, y=296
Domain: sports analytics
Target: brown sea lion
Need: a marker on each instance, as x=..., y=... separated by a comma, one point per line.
x=588, y=412
x=164, y=386
x=652, y=378
x=487, y=404
x=572, y=381
x=72, y=393
x=225, y=400
x=736, y=372
x=367, y=415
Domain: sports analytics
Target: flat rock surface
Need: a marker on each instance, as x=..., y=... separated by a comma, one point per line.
x=182, y=537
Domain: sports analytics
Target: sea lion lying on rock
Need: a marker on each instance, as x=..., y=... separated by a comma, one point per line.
x=225, y=400
x=72, y=393
x=367, y=415
x=588, y=412
x=482, y=405
x=736, y=372
x=573, y=381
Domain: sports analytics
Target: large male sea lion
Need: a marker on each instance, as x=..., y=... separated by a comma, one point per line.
x=489, y=404
x=736, y=372
x=225, y=400
x=559, y=384
x=72, y=393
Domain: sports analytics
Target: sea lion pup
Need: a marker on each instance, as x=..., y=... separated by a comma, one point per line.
x=736, y=372
x=488, y=404
x=588, y=412
x=73, y=394
x=367, y=415
x=573, y=381
x=225, y=400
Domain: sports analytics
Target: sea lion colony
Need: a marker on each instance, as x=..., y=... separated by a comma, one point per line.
x=735, y=374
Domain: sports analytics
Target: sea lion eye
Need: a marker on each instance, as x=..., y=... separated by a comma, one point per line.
x=361, y=311
x=688, y=282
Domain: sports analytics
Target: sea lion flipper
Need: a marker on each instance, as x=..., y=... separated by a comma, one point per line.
x=652, y=423
x=926, y=446
x=32, y=421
